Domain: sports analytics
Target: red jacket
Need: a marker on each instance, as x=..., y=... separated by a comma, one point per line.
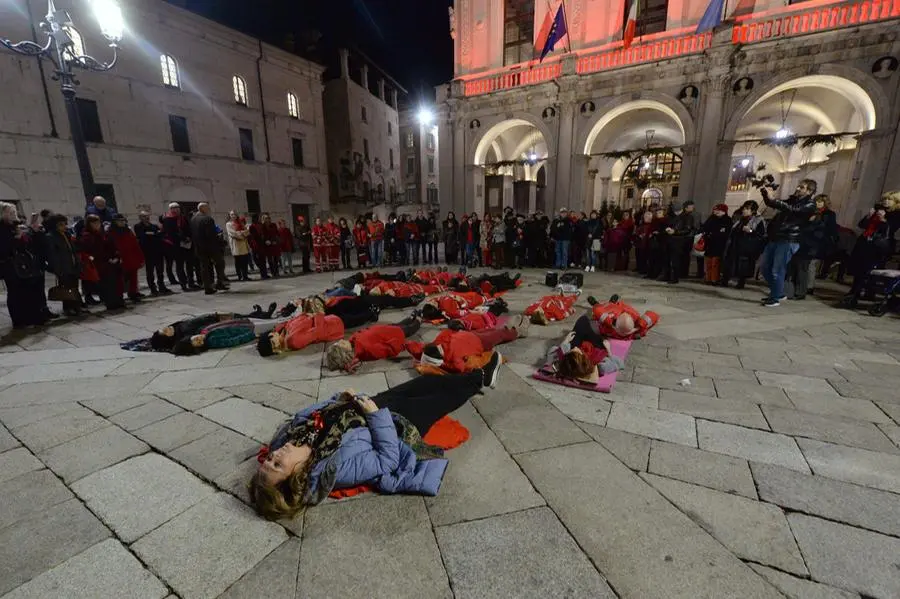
x=332, y=234
x=318, y=236
x=376, y=230
x=128, y=248
x=270, y=242
x=102, y=249
x=555, y=307
x=378, y=342
x=457, y=346
x=477, y=321
x=607, y=314
x=361, y=236
x=286, y=240
x=304, y=330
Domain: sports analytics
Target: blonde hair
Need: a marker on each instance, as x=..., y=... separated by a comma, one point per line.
x=7, y=207
x=281, y=500
x=891, y=200
x=339, y=356
x=825, y=199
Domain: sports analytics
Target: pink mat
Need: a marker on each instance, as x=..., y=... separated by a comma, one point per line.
x=606, y=382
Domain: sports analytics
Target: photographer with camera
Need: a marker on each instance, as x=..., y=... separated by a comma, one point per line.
x=785, y=231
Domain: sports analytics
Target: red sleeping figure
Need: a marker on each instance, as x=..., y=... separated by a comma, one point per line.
x=618, y=320
x=551, y=307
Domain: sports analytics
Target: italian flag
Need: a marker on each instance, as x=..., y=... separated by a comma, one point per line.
x=630, y=24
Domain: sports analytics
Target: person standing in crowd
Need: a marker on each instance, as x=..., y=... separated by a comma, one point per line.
x=346, y=242
x=689, y=208
x=615, y=240
x=376, y=240
x=361, y=241
x=411, y=236
x=745, y=244
x=320, y=250
x=811, y=239
x=466, y=241
x=333, y=244
x=641, y=241
x=579, y=245
x=99, y=208
x=270, y=249
x=303, y=236
x=872, y=248
x=63, y=261
x=150, y=239
x=518, y=243
x=450, y=233
x=476, y=224
x=210, y=253
x=715, y=231
x=432, y=240
x=679, y=239
x=423, y=227
x=238, y=234
x=828, y=240
x=177, y=245
x=561, y=233
x=286, y=245
x=785, y=230
x=21, y=269
x=656, y=256
x=101, y=251
x=130, y=255
x=498, y=243
x=593, y=241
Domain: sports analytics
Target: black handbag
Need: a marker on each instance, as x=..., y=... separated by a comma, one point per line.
x=551, y=279
x=572, y=278
x=26, y=265
x=59, y=293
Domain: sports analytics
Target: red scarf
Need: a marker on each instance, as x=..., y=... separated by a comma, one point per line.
x=874, y=222
x=238, y=224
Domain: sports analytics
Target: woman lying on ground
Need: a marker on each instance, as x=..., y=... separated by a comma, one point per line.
x=352, y=439
x=299, y=332
x=166, y=338
x=584, y=362
x=347, y=304
x=377, y=342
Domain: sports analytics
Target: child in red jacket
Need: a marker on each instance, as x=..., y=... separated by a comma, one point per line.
x=361, y=240
x=333, y=244
x=131, y=255
x=377, y=342
x=286, y=245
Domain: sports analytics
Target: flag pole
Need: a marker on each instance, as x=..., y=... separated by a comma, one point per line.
x=566, y=21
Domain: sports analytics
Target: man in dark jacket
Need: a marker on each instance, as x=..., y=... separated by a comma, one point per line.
x=149, y=237
x=98, y=206
x=303, y=237
x=424, y=230
x=679, y=238
x=561, y=232
x=785, y=231
x=208, y=247
x=176, y=234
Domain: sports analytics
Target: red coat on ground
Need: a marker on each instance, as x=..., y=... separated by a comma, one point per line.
x=607, y=314
x=128, y=248
x=304, y=330
x=477, y=321
x=555, y=307
x=378, y=342
x=285, y=240
x=457, y=346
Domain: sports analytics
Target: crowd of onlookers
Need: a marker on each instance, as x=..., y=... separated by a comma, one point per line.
x=96, y=259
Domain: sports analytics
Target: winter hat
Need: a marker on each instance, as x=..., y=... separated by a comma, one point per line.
x=300, y=219
x=721, y=208
x=689, y=203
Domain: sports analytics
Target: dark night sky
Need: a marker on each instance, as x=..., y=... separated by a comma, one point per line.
x=409, y=39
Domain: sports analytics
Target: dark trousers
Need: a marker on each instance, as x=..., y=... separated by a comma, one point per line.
x=304, y=253
x=798, y=272
x=640, y=257
x=242, y=267
x=432, y=252
x=153, y=268
x=107, y=288
x=212, y=269
x=345, y=257
x=410, y=326
x=424, y=400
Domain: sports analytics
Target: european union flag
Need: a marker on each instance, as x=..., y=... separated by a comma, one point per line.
x=712, y=17
x=557, y=32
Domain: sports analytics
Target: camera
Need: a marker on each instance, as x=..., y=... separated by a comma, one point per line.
x=758, y=180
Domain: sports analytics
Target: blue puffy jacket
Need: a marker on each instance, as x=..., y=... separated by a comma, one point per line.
x=371, y=455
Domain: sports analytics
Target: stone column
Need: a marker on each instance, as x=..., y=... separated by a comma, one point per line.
x=562, y=188
x=580, y=199
x=709, y=167
x=869, y=174
x=507, y=199
x=532, y=197
x=474, y=200
x=345, y=63
x=604, y=192
x=892, y=181
x=590, y=187
x=689, y=165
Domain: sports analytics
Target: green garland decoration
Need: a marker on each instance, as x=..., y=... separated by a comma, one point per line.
x=825, y=140
x=629, y=154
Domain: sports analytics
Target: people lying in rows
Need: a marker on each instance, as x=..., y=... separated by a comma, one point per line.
x=398, y=289
x=165, y=338
x=487, y=284
x=872, y=248
x=220, y=335
x=617, y=320
x=455, y=351
x=452, y=305
x=484, y=317
x=377, y=342
x=583, y=362
x=299, y=332
x=352, y=439
x=551, y=308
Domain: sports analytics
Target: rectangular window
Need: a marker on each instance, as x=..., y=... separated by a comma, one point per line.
x=431, y=165
x=181, y=142
x=391, y=157
x=410, y=140
x=410, y=166
x=366, y=149
x=365, y=115
x=253, y=204
x=431, y=144
x=247, y=152
x=652, y=16
x=518, y=31
x=297, y=146
x=109, y=194
x=432, y=195
x=390, y=129
x=90, y=120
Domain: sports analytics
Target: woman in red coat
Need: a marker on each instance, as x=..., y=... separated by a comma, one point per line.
x=320, y=246
x=361, y=239
x=130, y=253
x=286, y=245
x=271, y=244
x=101, y=251
x=333, y=244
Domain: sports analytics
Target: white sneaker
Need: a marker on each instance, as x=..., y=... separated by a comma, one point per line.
x=593, y=269
x=587, y=269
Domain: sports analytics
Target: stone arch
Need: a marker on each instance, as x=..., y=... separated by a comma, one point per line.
x=857, y=87
x=620, y=105
x=8, y=192
x=480, y=144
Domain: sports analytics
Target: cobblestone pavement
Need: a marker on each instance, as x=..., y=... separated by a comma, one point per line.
x=775, y=471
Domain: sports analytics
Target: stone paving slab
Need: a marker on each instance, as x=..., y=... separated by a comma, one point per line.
x=633, y=393
x=203, y=551
x=7, y=441
x=105, y=570
x=216, y=453
x=248, y=418
x=32, y=545
x=525, y=554
x=195, y=399
x=847, y=557
x=109, y=406
x=15, y=418
x=643, y=545
x=204, y=378
x=742, y=413
x=277, y=398
x=860, y=466
x=670, y=380
x=64, y=391
x=481, y=480
x=795, y=382
x=17, y=461
x=522, y=419
x=631, y=450
x=391, y=531
x=61, y=356
x=831, y=405
x=164, y=362
x=140, y=416
x=275, y=576
x=30, y=494
x=704, y=468
x=892, y=431
x=60, y=372
x=835, y=500
x=84, y=455
x=657, y=424
x=175, y=431
x=56, y=430
x=832, y=429
x=370, y=384
x=753, y=530
x=583, y=407
x=750, y=444
x=799, y=588
x=751, y=392
x=138, y=495
x=874, y=393
x=891, y=409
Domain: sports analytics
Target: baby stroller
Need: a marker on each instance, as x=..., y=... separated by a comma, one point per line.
x=883, y=282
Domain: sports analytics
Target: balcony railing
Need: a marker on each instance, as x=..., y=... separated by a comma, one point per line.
x=651, y=51
x=511, y=79
x=799, y=20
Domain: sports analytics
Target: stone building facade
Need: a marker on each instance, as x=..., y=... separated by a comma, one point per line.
x=363, y=135
x=420, y=156
x=810, y=89
x=192, y=112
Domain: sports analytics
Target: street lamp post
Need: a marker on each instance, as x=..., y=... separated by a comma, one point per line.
x=60, y=50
